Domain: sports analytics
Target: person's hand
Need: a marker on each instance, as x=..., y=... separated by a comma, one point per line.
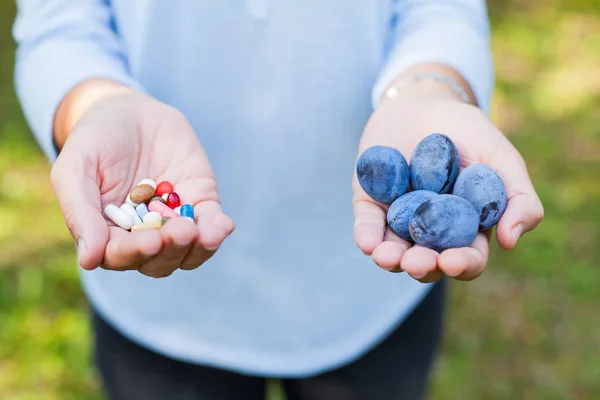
x=118, y=141
x=401, y=123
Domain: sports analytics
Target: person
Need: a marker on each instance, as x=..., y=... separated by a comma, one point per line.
x=280, y=97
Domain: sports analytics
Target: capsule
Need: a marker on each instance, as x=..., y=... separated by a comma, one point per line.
x=164, y=187
x=129, y=209
x=187, y=211
x=152, y=217
x=142, y=210
x=158, y=198
x=162, y=209
x=148, y=181
x=145, y=225
x=141, y=194
x=173, y=200
x=119, y=217
x=164, y=220
x=129, y=201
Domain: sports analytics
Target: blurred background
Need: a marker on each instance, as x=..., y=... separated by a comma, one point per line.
x=529, y=328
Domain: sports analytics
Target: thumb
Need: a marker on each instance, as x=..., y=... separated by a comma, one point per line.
x=524, y=210
x=75, y=186
x=369, y=220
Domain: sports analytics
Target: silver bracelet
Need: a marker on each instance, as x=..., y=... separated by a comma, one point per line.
x=393, y=90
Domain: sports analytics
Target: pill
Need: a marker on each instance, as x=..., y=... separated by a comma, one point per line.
x=129, y=201
x=145, y=225
x=164, y=187
x=158, y=198
x=165, y=196
x=142, y=210
x=162, y=209
x=173, y=200
x=165, y=220
x=129, y=209
x=177, y=210
x=148, y=181
x=187, y=211
x=119, y=217
x=141, y=194
x=151, y=217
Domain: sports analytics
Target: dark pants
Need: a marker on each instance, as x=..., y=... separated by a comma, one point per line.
x=398, y=368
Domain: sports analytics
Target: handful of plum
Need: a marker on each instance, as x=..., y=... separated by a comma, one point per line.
x=429, y=215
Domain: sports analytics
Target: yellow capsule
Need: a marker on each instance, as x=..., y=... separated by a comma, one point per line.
x=146, y=225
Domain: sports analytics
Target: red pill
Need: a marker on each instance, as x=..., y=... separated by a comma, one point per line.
x=173, y=200
x=162, y=188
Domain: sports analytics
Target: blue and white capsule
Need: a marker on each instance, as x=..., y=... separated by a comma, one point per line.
x=187, y=211
x=142, y=210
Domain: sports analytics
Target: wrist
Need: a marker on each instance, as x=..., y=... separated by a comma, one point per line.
x=435, y=81
x=79, y=101
x=421, y=89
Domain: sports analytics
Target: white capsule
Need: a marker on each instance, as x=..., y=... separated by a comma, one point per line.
x=152, y=217
x=128, y=201
x=119, y=217
x=147, y=181
x=129, y=209
x=165, y=196
x=178, y=210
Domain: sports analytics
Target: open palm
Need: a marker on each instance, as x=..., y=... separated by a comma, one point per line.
x=402, y=124
x=112, y=148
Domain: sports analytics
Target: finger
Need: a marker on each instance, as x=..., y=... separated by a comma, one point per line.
x=195, y=183
x=523, y=213
x=524, y=210
x=178, y=236
x=76, y=188
x=419, y=261
x=432, y=276
x=369, y=225
x=389, y=253
x=197, y=256
x=214, y=226
x=128, y=250
x=466, y=263
x=213, y=229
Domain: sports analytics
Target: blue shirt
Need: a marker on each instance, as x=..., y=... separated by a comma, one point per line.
x=278, y=92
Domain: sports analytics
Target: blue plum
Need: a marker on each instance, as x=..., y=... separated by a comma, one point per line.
x=399, y=213
x=435, y=164
x=383, y=173
x=443, y=222
x=481, y=186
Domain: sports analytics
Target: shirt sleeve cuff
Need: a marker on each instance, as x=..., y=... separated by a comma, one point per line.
x=46, y=73
x=452, y=44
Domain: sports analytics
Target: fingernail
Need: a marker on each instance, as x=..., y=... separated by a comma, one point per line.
x=80, y=250
x=517, y=231
x=421, y=276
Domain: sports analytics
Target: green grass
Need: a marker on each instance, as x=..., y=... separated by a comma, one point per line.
x=527, y=329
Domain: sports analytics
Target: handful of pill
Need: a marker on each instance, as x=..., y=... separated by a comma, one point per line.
x=148, y=206
x=445, y=208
